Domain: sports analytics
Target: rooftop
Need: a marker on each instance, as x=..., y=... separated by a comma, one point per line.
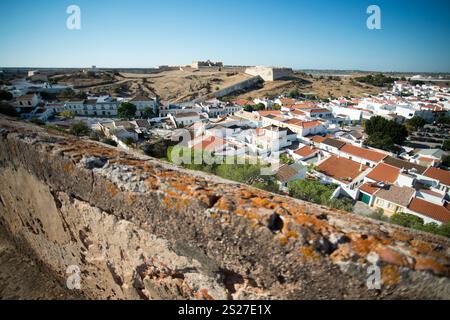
x=286, y=173
x=367, y=154
x=341, y=169
x=334, y=143
x=403, y=164
x=398, y=195
x=306, y=151
x=431, y=210
x=442, y=176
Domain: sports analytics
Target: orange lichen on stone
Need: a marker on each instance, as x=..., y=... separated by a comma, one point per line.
x=319, y=225
x=363, y=245
x=203, y=295
x=391, y=256
x=112, y=189
x=68, y=167
x=309, y=254
x=428, y=264
x=130, y=198
x=390, y=275
x=224, y=204
x=401, y=236
x=421, y=246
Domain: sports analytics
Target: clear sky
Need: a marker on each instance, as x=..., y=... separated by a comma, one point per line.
x=302, y=34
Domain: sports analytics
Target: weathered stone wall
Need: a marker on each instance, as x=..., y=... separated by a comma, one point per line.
x=142, y=229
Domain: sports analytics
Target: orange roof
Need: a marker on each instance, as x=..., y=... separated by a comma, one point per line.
x=384, y=173
x=303, y=124
x=363, y=153
x=306, y=151
x=210, y=143
x=317, y=139
x=431, y=210
x=341, y=169
x=369, y=188
x=319, y=110
x=296, y=122
x=425, y=159
x=442, y=175
x=287, y=101
x=310, y=124
x=269, y=112
x=299, y=112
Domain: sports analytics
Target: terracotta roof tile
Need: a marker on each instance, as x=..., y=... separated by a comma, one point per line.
x=363, y=153
x=306, y=151
x=384, y=173
x=442, y=175
x=431, y=210
x=341, y=169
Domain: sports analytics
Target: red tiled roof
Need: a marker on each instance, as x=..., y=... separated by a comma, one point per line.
x=310, y=124
x=306, y=151
x=243, y=102
x=369, y=188
x=363, y=153
x=431, y=210
x=269, y=112
x=384, y=173
x=319, y=110
x=287, y=101
x=442, y=175
x=210, y=143
x=341, y=169
x=317, y=139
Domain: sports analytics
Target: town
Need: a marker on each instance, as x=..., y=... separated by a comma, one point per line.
x=383, y=155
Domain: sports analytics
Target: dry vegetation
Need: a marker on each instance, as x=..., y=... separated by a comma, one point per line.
x=184, y=85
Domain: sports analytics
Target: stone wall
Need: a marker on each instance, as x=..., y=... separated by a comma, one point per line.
x=268, y=73
x=142, y=229
x=242, y=85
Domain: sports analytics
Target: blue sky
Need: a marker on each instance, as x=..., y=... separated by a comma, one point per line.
x=296, y=33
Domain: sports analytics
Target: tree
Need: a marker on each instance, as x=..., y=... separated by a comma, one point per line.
x=66, y=94
x=383, y=133
x=5, y=95
x=7, y=109
x=407, y=220
x=67, y=114
x=147, y=112
x=415, y=123
x=443, y=120
x=446, y=161
x=109, y=141
x=79, y=129
x=314, y=191
x=446, y=145
x=126, y=110
x=128, y=141
x=286, y=159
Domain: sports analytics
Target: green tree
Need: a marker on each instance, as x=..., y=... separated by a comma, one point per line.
x=67, y=114
x=5, y=95
x=126, y=110
x=446, y=160
x=286, y=159
x=147, y=113
x=129, y=141
x=415, y=123
x=79, y=129
x=109, y=141
x=7, y=109
x=384, y=133
x=407, y=220
x=443, y=119
x=446, y=145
